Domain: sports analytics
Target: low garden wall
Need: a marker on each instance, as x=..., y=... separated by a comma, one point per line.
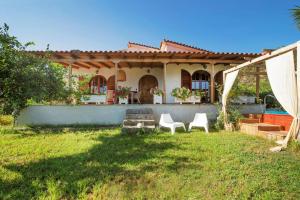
x=114, y=114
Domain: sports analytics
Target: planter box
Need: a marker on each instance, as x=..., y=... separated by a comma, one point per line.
x=97, y=99
x=157, y=99
x=193, y=99
x=123, y=100
x=244, y=100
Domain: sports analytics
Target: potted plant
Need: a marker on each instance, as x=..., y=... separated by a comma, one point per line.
x=181, y=94
x=122, y=94
x=157, y=95
x=196, y=96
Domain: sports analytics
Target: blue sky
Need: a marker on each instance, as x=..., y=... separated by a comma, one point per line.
x=217, y=25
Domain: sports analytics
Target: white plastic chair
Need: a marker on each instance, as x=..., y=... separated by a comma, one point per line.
x=200, y=120
x=167, y=121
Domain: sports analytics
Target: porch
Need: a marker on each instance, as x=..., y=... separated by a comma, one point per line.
x=142, y=77
x=195, y=69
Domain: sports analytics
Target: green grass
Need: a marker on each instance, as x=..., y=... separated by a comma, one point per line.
x=102, y=164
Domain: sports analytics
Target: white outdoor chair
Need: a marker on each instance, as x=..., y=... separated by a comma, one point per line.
x=200, y=120
x=167, y=121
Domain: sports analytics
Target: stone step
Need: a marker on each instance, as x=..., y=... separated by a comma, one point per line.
x=249, y=121
x=133, y=127
x=139, y=116
x=138, y=119
x=134, y=122
x=269, y=127
x=273, y=135
x=139, y=111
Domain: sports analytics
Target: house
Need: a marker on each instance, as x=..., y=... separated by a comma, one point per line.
x=142, y=67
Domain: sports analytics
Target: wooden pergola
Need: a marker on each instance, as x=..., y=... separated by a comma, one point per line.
x=120, y=59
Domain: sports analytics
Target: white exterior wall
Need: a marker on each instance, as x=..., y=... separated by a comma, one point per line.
x=174, y=75
x=133, y=75
x=114, y=114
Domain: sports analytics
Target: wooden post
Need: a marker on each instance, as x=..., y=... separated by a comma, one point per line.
x=257, y=84
x=212, y=83
x=164, y=83
x=116, y=80
x=70, y=76
x=224, y=103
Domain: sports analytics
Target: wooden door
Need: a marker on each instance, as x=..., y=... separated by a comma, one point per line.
x=145, y=84
x=186, y=79
x=111, y=83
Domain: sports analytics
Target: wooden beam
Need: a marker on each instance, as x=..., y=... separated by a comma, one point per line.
x=82, y=65
x=67, y=65
x=264, y=57
x=179, y=60
x=94, y=65
x=253, y=73
x=125, y=64
x=78, y=66
x=105, y=64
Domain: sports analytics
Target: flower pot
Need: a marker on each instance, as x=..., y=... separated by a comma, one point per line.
x=123, y=100
x=195, y=99
x=97, y=99
x=157, y=99
x=177, y=100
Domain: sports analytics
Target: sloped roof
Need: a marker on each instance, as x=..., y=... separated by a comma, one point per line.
x=165, y=45
x=191, y=48
x=136, y=46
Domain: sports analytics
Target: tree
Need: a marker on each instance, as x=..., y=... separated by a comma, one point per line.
x=296, y=15
x=25, y=77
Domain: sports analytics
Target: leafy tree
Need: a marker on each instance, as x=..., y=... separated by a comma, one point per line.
x=24, y=76
x=296, y=15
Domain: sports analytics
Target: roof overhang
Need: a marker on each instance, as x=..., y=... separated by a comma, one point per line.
x=100, y=59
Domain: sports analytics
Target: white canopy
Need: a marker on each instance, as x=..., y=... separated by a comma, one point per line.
x=285, y=83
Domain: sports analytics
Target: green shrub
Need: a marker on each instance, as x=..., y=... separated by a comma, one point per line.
x=233, y=115
x=6, y=120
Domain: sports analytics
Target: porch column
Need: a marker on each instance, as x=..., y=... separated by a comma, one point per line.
x=164, y=82
x=257, y=84
x=116, y=79
x=70, y=75
x=212, y=83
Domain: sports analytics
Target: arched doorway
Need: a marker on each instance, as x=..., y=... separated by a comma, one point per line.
x=145, y=84
x=98, y=85
x=201, y=81
x=186, y=79
x=218, y=82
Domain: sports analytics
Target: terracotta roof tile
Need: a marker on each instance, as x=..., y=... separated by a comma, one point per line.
x=143, y=45
x=185, y=45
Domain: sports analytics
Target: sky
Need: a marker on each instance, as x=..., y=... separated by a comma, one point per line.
x=216, y=25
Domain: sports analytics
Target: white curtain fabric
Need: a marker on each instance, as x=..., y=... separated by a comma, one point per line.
x=281, y=74
x=228, y=83
x=282, y=77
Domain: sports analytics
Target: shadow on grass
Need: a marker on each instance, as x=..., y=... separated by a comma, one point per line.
x=50, y=130
x=114, y=156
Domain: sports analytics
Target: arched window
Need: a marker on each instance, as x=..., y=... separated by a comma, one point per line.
x=200, y=80
x=98, y=85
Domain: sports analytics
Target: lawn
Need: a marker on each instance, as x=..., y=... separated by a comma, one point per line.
x=102, y=164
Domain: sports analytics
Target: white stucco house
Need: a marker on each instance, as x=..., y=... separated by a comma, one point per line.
x=142, y=67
